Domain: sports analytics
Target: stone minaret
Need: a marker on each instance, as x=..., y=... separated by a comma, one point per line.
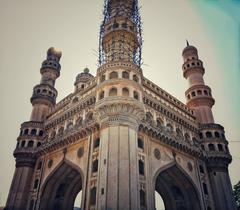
x=212, y=135
x=198, y=95
x=44, y=94
x=119, y=107
x=32, y=132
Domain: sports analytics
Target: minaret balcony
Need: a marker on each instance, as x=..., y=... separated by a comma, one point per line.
x=25, y=157
x=32, y=129
x=199, y=95
x=187, y=71
x=51, y=64
x=126, y=65
x=45, y=89
x=213, y=140
x=197, y=101
x=44, y=92
x=24, y=150
x=123, y=27
x=217, y=158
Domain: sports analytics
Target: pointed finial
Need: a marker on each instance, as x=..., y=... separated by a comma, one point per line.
x=187, y=42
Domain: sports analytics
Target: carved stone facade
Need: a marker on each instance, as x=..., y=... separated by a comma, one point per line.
x=119, y=138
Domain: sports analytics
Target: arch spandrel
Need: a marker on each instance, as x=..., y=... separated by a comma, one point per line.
x=56, y=161
x=167, y=158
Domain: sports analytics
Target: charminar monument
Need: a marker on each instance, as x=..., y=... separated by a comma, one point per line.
x=119, y=138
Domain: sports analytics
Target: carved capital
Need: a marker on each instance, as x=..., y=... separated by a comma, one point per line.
x=119, y=110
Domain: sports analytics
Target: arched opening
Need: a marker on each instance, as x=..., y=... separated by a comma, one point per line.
x=113, y=92
x=176, y=189
x=89, y=117
x=61, y=188
x=39, y=166
x=125, y=92
x=96, y=143
x=135, y=78
x=140, y=143
x=159, y=122
x=30, y=144
x=199, y=92
x=142, y=198
x=93, y=195
x=125, y=75
x=169, y=127
x=113, y=75
x=135, y=95
x=36, y=182
x=78, y=201
x=103, y=78
x=23, y=143
x=217, y=135
x=40, y=133
x=79, y=121
x=141, y=167
x=208, y=134
x=179, y=133
x=101, y=95
x=187, y=137
x=211, y=147
x=26, y=132
x=95, y=166
x=53, y=134
x=33, y=132
x=149, y=118
x=220, y=147
x=159, y=204
x=69, y=125
x=60, y=130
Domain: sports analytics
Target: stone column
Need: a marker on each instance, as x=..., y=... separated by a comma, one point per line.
x=118, y=175
x=21, y=184
x=221, y=186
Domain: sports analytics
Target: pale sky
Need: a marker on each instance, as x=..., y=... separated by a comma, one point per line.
x=30, y=27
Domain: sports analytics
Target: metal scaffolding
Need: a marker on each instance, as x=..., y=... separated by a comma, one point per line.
x=133, y=15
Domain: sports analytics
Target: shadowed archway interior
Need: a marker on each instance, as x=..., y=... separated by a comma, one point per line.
x=61, y=189
x=177, y=190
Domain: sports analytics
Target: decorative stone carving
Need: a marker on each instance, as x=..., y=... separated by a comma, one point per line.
x=190, y=166
x=117, y=110
x=80, y=152
x=157, y=154
x=50, y=163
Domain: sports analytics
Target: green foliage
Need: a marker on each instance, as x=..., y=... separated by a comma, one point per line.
x=236, y=192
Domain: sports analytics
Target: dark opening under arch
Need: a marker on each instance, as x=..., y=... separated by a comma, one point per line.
x=61, y=188
x=177, y=190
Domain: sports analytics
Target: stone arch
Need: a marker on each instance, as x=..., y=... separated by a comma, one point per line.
x=149, y=117
x=113, y=91
x=176, y=187
x=159, y=122
x=61, y=187
x=89, y=116
x=125, y=91
x=113, y=75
